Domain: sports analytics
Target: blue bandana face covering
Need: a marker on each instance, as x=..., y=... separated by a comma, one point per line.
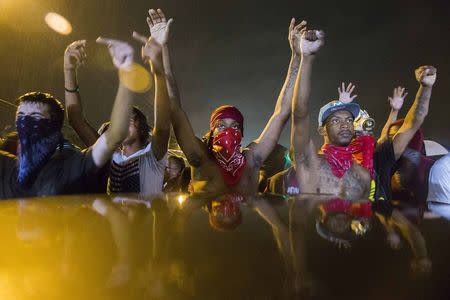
x=38, y=141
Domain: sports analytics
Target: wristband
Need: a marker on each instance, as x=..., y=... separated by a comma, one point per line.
x=76, y=90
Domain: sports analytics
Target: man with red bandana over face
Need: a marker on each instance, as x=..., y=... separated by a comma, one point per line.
x=334, y=170
x=217, y=164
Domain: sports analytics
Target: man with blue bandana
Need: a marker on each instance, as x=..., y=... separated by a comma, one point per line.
x=46, y=163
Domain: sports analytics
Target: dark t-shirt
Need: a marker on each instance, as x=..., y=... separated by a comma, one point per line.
x=383, y=162
x=69, y=171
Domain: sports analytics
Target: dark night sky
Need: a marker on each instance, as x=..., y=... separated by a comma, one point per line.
x=236, y=52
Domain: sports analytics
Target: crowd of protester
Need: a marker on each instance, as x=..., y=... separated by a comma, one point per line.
x=128, y=155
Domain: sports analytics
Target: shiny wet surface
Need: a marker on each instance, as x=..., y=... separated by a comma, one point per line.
x=229, y=247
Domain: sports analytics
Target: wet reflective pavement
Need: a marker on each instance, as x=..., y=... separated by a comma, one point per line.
x=227, y=247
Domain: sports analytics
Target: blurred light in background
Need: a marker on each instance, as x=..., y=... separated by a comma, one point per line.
x=58, y=23
x=22, y=15
x=181, y=199
x=137, y=78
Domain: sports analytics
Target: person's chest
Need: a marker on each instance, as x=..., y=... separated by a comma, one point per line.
x=209, y=178
x=354, y=185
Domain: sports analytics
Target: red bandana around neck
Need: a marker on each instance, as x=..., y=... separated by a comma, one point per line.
x=226, y=151
x=358, y=209
x=360, y=150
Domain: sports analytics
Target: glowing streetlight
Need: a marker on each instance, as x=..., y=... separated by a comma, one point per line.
x=58, y=23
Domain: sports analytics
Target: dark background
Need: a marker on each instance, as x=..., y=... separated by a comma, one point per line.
x=236, y=52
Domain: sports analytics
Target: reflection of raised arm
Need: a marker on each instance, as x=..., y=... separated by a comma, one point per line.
x=107, y=143
x=280, y=229
x=74, y=56
x=192, y=147
x=426, y=76
x=264, y=145
x=310, y=43
x=396, y=103
x=414, y=237
x=120, y=229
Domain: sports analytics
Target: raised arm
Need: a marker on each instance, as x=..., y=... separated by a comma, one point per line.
x=426, y=76
x=152, y=52
x=107, y=143
x=310, y=43
x=193, y=148
x=74, y=56
x=263, y=146
x=396, y=103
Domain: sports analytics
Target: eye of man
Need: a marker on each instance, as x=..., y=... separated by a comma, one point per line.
x=334, y=121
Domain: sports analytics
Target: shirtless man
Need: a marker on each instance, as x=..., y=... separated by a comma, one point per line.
x=333, y=170
x=218, y=164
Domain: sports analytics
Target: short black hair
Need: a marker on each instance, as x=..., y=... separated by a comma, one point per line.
x=143, y=126
x=56, y=108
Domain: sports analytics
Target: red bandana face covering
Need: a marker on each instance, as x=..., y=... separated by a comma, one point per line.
x=226, y=151
x=360, y=150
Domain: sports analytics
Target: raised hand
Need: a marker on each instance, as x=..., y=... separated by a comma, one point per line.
x=75, y=55
x=151, y=51
x=426, y=75
x=295, y=35
x=121, y=52
x=311, y=41
x=399, y=95
x=159, y=27
x=345, y=94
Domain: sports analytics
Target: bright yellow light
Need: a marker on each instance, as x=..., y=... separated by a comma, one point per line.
x=58, y=23
x=136, y=78
x=181, y=199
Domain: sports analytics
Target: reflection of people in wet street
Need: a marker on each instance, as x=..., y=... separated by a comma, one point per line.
x=347, y=225
x=397, y=226
x=140, y=228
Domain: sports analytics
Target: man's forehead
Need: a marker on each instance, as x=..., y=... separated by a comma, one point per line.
x=30, y=107
x=227, y=121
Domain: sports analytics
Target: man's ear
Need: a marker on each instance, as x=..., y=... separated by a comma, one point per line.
x=322, y=130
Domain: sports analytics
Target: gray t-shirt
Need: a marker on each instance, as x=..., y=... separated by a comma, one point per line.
x=140, y=172
x=439, y=181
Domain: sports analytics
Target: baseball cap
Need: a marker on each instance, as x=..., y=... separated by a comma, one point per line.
x=334, y=106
